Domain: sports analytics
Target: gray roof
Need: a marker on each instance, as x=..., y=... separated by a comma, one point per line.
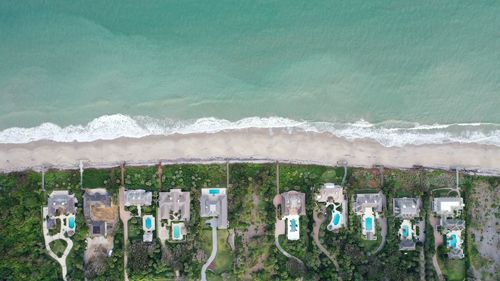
x=456, y=253
x=60, y=200
x=138, y=197
x=95, y=197
x=369, y=200
x=447, y=205
x=175, y=205
x=407, y=245
x=406, y=207
x=213, y=203
x=294, y=203
x=453, y=224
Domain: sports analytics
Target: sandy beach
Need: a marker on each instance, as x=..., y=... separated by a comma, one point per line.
x=264, y=145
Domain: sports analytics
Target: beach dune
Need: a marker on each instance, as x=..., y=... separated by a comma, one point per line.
x=292, y=146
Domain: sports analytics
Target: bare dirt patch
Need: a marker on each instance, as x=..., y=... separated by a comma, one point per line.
x=484, y=226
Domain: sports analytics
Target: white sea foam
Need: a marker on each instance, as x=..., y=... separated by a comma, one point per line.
x=390, y=133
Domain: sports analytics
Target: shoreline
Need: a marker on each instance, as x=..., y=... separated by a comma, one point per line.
x=247, y=145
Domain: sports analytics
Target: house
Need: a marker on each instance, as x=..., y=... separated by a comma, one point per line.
x=407, y=209
x=138, y=197
x=61, y=205
x=100, y=214
x=174, y=212
x=213, y=203
x=449, y=210
x=175, y=205
x=368, y=206
x=447, y=206
x=293, y=205
x=331, y=194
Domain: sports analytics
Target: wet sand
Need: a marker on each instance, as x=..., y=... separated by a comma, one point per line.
x=258, y=145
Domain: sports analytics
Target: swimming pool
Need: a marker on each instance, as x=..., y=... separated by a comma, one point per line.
x=369, y=224
x=71, y=222
x=335, y=218
x=177, y=232
x=452, y=243
x=293, y=225
x=406, y=231
x=213, y=191
x=149, y=223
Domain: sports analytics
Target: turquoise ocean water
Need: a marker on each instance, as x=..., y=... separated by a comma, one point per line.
x=397, y=71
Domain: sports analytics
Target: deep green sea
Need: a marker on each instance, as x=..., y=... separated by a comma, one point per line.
x=397, y=71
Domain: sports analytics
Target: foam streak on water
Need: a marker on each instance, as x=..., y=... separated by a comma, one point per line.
x=390, y=133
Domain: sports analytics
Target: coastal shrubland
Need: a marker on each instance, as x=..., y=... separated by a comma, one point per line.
x=252, y=216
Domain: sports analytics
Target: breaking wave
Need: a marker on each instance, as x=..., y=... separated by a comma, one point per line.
x=389, y=133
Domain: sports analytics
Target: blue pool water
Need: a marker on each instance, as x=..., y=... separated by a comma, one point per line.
x=406, y=231
x=293, y=225
x=213, y=191
x=369, y=224
x=71, y=222
x=452, y=243
x=336, y=218
x=148, y=223
x=177, y=232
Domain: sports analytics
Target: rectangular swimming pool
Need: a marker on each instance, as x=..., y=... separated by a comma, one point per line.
x=369, y=224
x=177, y=232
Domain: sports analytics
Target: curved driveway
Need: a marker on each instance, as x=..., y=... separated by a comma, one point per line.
x=213, y=224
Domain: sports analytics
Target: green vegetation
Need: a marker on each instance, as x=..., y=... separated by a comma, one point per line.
x=58, y=247
x=251, y=216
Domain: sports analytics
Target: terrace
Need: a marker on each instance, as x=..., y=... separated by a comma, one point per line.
x=368, y=206
x=449, y=210
x=292, y=207
x=175, y=210
x=407, y=209
x=333, y=195
x=213, y=203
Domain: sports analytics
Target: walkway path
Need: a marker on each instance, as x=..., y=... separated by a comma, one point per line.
x=49, y=238
x=422, y=264
x=383, y=227
x=383, y=234
x=213, y=224
x=438, y=240
x=124, y=217
x=317, y=224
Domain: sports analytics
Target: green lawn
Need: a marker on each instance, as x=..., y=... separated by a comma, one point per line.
x=454, y=270
x=224, y=259
x=58, y=247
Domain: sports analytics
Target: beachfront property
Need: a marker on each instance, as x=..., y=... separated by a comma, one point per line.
x=369, y=206
x=407, y=209
x=138, y=198
x=213, y=204
x=174, y=213
x=449, y=210
x=99, y=211
x=292, y=205
x=62, y=206
x=333, y=195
